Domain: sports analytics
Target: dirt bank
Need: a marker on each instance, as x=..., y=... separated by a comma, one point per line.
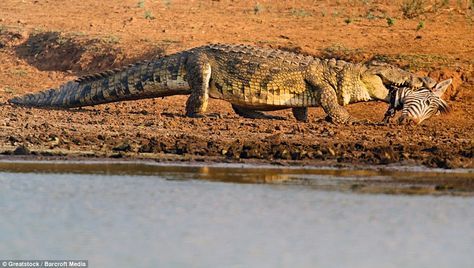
x=43, y=44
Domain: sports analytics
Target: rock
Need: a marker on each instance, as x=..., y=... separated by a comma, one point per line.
x=21, y=150
x=123, y=147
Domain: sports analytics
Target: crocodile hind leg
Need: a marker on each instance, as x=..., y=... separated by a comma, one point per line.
x=248, y=113
x=199, y=75
x=300, y=113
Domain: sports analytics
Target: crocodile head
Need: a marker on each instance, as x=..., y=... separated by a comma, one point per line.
x=379, y=78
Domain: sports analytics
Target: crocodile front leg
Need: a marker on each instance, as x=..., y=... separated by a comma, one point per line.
x=336, y=113
x=199, y=75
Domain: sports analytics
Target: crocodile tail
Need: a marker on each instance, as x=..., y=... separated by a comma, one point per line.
x=163, y=77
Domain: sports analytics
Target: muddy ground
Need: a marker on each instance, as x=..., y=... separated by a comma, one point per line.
x=46, y=43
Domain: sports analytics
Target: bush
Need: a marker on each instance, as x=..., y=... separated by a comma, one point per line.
x=412, y=8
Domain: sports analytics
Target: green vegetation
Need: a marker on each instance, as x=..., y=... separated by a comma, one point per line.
x=390, y=21
x=62, y=39
x=258, y=8
x=9, y=90
x=300, y=12
x=412, y=8
x=418, y=61
x=370, y=16
x=110, y=39
x=141, y=4
x=420, y=25
x=77, y=34
x=19, y=72
x=167, y=3
x=373, y=14
x=149, y=15
x=339, y=51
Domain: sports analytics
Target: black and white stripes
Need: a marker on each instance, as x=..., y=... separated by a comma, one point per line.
x=417, y=104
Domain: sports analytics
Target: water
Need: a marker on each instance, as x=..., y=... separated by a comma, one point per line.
x=167, y=218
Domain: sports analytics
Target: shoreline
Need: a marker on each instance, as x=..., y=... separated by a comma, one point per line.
x=367, y=179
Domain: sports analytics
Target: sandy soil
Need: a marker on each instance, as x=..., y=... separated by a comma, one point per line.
x=45, y=43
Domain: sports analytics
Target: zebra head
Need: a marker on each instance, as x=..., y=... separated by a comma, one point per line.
x=419, y=104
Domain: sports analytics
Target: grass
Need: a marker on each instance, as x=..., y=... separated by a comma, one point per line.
x=420, y=25
x=339, y=51
x=258, y=8
x=412, y=8
x=300, y=12
x=19, y=72
x=61, y=39
x=370, y=16
x=167, y=3
x=8, y=29
x=417, y=61
x=8, y=90
x=390, y=21
x=373, y=14
x=78, y=34
x=110, y=39
x=141, y=4
x=149, y=15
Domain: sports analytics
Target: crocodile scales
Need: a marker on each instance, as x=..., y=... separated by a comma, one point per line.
x=252, y=79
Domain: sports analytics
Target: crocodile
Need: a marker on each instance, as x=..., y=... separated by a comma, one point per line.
x=252, y=79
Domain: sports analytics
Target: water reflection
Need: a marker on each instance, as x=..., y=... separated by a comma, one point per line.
x=380, y=180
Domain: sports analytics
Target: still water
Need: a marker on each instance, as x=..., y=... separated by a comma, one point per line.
x=169, y=216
